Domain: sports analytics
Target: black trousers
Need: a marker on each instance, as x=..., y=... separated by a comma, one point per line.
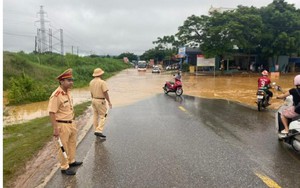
x=270, y=93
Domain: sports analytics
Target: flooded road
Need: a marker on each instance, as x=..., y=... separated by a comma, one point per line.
x=195, y=142
x=130, y=86
x=239, y=88
x=23, y=113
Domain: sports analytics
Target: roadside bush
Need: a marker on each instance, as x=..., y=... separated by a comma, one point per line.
x=82, y=75
x=24, y=89
x=45, y=68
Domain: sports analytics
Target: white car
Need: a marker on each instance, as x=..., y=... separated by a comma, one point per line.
x=156, y=69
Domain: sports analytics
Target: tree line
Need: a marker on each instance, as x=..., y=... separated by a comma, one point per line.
x=268, y=31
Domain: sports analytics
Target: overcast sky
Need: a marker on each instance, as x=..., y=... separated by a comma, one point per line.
x=105, y=27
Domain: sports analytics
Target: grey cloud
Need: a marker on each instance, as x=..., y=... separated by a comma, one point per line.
x=105, y=27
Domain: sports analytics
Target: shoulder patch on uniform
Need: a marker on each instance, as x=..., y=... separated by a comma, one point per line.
x=57, y=93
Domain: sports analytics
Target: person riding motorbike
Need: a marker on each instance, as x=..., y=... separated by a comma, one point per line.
x=264, y=83
x=174, y=86
x=177, y=76
x=290, y=113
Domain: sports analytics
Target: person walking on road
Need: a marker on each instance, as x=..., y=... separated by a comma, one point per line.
x=62, y=119
x=99, y=93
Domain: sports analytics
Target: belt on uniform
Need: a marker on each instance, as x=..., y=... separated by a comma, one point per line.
x=98, y=98
x=63, y=121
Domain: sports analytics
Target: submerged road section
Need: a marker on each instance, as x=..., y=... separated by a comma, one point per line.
x=168, y=141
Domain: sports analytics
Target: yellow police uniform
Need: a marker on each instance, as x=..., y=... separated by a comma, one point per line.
x=97, y=89
x=61, y=104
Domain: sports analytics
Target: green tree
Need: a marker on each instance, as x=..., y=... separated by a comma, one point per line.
x=216, y=38
x=271, y=30
x=281, y=29
x=193, y=31
x=245, y=30
x=159, y=53
x=130, y=56
x=168, y=42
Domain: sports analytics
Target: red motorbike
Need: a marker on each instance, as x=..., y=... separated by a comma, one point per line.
x=173, y=87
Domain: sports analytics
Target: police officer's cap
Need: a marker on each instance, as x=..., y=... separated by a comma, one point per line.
x=65, y=75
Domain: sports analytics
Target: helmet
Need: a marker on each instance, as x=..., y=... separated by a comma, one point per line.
x=297, y=80
x=265, y=73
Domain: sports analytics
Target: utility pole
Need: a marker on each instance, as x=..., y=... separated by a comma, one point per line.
x=61, y=42
x=38, y=41
x=35, y=44
x=50, y=40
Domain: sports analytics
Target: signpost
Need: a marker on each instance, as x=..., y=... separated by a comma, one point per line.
x=202, y=62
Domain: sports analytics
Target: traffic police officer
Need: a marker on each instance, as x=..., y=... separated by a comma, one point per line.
x=62, y=119
x=99, y=93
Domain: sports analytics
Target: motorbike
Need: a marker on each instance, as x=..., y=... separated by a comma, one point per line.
x=173, y=87
x=262, y=99
x=293, y=136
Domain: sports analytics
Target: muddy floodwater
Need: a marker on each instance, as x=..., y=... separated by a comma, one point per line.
x=130, y=86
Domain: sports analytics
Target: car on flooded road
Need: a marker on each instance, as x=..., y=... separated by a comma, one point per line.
x=156, y=69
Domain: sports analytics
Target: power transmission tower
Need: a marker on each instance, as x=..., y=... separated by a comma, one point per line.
x=41, y=43
x=42, y=38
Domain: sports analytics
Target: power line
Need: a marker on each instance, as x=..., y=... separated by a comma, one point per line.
x=70, y=37
x=7, y=11
x=20, y=35
x=42, y=35
x=72, y=40
x=16, y=22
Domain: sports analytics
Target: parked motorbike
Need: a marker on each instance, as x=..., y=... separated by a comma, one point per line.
x=173, y=87
x=293, y=137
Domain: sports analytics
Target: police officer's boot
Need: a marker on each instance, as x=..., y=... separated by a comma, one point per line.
x=68, y=172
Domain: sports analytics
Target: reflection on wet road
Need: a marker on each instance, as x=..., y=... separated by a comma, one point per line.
x=130, y=86
x=168, y=141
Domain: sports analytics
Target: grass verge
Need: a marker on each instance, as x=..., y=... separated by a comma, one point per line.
x=22, y=141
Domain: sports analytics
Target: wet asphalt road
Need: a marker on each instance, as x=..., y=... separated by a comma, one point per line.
x=167, y=141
